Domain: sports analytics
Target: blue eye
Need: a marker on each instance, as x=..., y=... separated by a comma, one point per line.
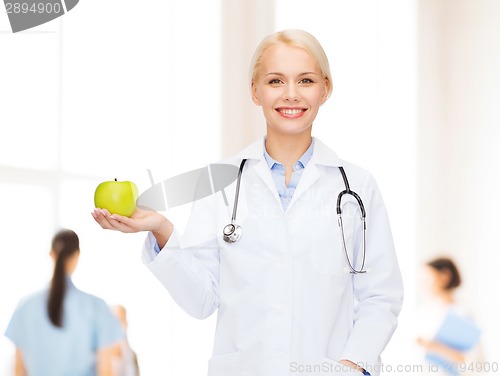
x=275, y=81
x=306, y=81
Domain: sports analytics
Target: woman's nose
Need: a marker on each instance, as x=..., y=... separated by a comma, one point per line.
x=292, y=93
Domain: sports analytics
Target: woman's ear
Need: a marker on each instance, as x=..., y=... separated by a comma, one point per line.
x=324, y=96
x=255, y=97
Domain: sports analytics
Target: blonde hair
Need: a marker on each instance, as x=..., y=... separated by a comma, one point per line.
x=294, y=38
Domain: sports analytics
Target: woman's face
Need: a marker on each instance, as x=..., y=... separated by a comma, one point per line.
x=435, y=280
x=290, y=88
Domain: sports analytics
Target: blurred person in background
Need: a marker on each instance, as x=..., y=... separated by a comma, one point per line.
x=125, y=359
x=61, y=330
x=448, y=334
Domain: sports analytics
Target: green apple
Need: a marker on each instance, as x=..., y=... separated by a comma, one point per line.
x=119, y=197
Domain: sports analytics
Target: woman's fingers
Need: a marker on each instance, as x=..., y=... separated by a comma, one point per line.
x=140, y=220
x=117, y=222
x=122, y=223
x=101, y=219
x=105, y=212
x=104, y=219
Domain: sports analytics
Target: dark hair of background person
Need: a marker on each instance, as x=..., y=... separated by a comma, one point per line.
x=447, y=265
x=64, y=245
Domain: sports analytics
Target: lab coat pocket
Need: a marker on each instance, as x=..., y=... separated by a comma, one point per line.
x=223, y=365
x=328, y=255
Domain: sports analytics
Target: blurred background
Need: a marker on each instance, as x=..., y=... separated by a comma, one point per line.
x=114, y=88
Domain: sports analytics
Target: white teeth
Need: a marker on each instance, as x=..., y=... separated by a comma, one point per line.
x=291, y=111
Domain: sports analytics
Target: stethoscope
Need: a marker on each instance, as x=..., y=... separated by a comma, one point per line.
x=232, y=232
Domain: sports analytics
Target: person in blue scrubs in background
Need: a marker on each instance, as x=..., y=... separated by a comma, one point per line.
x=62, y=330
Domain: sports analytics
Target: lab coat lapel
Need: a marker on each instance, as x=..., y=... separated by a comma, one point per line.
x=255, y=153
x=264, y=173
x=322, y=155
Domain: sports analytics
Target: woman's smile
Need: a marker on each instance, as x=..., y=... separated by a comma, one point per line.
x=290, y=94
x=291, y=112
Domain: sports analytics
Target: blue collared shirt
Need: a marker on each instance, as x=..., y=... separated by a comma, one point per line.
x=278, y=172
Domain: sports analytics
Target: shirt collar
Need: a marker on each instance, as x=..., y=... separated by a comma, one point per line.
x=301, y=163
x=322, y=154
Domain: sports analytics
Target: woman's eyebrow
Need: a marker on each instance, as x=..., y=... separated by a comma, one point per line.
x=282, y=74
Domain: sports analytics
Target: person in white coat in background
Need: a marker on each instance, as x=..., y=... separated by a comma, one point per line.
x=289, y=301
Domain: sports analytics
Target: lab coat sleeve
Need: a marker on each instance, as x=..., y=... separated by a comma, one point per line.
x=379, y=292
x=188, y=265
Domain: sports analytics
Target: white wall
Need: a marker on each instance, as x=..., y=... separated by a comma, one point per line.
x=106, y=91
x=459, y=148
x=244, y=24
x=114, y=93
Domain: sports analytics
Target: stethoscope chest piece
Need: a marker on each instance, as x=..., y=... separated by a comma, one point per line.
x=232, y=233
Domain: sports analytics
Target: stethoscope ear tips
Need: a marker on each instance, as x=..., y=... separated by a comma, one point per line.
x=231, y=233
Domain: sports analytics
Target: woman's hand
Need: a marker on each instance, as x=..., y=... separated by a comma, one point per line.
x=352, y=365
x=141, y=220
x=441, y=349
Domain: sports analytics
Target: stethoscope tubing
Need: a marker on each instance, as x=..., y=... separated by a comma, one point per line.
x=235, y=207
x=232, y=232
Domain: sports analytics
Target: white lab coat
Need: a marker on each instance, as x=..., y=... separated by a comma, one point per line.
x=287, y=304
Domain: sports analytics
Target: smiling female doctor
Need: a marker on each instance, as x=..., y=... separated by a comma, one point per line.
x=289, y=300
